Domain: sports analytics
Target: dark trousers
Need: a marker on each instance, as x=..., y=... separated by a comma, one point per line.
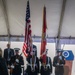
x=17, y=74
x=59, y=74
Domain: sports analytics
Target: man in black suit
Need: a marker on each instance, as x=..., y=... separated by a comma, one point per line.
x=58, y=63
x=46, y=68
x=16, y=61
x=8, y=53
x=3, y=66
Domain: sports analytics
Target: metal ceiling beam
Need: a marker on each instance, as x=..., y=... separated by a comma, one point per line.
x=22, y=36
x=4, y=8
x=60, y=24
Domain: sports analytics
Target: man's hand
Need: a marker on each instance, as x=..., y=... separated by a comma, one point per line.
x=12, y=66
x=17, y=61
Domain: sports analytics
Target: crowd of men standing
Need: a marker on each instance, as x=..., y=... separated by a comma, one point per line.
x=13, y=60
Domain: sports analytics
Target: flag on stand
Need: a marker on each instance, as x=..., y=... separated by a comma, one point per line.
x=27, y=46
x=43, y=41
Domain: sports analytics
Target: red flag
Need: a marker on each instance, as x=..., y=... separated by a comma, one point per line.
x=27, y=46
x=43, y=41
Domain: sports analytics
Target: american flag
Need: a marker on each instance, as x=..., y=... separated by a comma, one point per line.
x=27, y=46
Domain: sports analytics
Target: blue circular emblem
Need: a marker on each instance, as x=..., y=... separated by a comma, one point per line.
x=65, y=54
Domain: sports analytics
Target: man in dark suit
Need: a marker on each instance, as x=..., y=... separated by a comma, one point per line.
x=16, y=61
x=58, y=63
x=33, y=64
x=3, y=66
x=8, y=53
x=46, y=69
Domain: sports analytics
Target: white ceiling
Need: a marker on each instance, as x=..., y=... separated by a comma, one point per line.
x=16, y=11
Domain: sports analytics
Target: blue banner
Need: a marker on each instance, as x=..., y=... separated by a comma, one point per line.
x=68, y=54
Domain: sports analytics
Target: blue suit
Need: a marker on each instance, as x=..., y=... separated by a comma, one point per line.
x=8, y=55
